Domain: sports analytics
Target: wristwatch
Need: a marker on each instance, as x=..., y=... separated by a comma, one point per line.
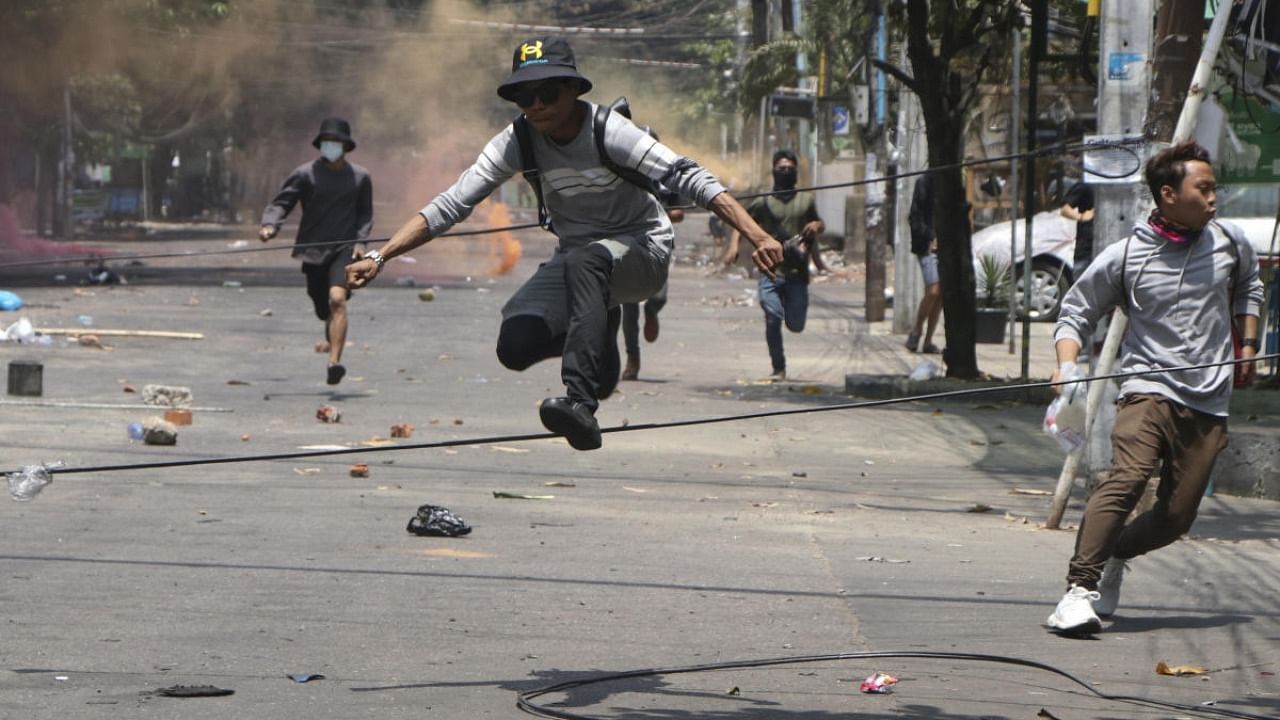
x=1251, y=342
x=375, y=256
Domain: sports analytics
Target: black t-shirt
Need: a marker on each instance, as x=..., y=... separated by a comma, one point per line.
x=920, y=217
x=1080, y=197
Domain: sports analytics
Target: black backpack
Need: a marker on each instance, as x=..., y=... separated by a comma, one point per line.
x=530, y=172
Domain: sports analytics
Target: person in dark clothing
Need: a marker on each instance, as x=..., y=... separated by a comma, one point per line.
x=792, y=220
x=631, y=317
x=337, y=205
x=924, y=245
x=1078, y=206
x=615, y=240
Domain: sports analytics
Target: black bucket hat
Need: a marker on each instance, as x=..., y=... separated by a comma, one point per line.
x=338, y=128
x=539, y=59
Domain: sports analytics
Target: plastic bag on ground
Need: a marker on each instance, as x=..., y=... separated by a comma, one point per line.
x=437, y=521
x=26, y=483
x=926, y=370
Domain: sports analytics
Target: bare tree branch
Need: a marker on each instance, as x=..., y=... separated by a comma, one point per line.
x=897, y=73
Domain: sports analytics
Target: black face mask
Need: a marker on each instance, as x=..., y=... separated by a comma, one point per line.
x=784, y=178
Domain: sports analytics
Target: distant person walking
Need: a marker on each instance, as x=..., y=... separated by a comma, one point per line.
x=337, y=205
x=924, y=245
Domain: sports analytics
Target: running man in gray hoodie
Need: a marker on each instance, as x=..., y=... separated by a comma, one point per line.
x=1185, y=281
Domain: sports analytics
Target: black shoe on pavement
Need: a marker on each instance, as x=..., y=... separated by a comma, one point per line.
x=573, y=420
x=611, y=363
x=335, y=374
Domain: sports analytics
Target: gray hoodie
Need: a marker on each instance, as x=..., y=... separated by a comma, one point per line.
x=1181, y=299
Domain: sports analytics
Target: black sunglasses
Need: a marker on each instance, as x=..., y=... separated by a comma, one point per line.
x=547, y=92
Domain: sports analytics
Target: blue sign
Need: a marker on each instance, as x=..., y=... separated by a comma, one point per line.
x=839, y=120
x=1118, y=65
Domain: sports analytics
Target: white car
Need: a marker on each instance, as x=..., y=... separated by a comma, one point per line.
x=1053, y=245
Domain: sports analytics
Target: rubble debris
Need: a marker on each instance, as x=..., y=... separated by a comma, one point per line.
x=360, y=470
x=878, y=683
x=401, y=430
x=158, y=431
x=328, y=414
x=173, y=396
x=437, y=521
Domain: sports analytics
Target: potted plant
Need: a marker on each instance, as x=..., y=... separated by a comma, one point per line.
x=993, y=284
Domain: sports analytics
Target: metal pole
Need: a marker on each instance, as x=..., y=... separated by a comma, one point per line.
x=1039, y=25
x=1119, y=322
x=1015, y=129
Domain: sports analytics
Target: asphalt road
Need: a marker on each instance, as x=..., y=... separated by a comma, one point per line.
x=803, y=535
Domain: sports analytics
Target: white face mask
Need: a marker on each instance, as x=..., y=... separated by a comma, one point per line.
x=331, y=150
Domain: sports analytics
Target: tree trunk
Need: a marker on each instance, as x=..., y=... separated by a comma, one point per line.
x=1179, y=27
x=955, y=254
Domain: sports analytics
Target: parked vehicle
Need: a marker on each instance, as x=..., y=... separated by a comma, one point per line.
x=1053, y=243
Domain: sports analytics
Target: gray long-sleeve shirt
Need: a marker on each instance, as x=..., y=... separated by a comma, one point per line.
x=1181, y=299
x=586, y=201
x=336, y=205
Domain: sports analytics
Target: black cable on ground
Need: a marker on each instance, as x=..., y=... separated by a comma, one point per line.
x=524, y=700
x=1061, y=147
x=493, y=439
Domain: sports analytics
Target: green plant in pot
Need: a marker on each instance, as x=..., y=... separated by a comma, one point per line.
x=993, y=284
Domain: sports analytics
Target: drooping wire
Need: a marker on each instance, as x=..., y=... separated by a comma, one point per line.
x=524, y=700
x=495, y=439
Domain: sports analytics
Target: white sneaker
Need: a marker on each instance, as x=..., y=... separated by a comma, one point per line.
x=1109, y=588
x=1074, y=614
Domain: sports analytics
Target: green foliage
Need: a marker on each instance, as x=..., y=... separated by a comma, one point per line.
x=993, y=282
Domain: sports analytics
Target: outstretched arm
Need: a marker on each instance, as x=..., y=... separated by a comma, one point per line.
x=768, y=252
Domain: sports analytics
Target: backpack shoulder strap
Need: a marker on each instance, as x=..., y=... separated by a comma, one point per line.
x=634, y=177
x=529, y=167
x=1235, y=270
x=1124, y=265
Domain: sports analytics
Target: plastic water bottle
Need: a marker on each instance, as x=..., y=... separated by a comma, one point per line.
x=135, y=431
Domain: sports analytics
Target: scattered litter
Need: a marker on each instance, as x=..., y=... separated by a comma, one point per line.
x=1028, y=491
x=360, y=470
x=129, y=389
x=266, y=313
x=868, y=462
x=19, y=332
x=239, y=382
x=811, y=390
x=9, y=301
x=427, y=295
x=167, y=396
x=517, y=496
x=559, y=483
x=800, y=474
x=328, y=414
x=190, y=691
x=158, y=431
x=634, y=490
x=231, y=283
x=323, y=447
x=1046, y=715
x=238, y=244
x=85, y=320
x=406, y=281
x=978, y=508
x=733, y=691
x=180, y=416
x=765, y=505
x=92, y=341
x=27, y=483
x=244, y=437
x=307, y=471
x=1179, y=670
x=503, y=448
x=926, y=370
x=135, y=431
x=876, y=558
x=878, y=683
x=457, y=421
x=376, y=441
x=401, y=430
x=305, y=677
x=61, y=678
x=437, y=521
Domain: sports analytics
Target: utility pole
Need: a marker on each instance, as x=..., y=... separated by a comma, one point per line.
x=1177, y=46
x=1124, y=81
x=875, y=304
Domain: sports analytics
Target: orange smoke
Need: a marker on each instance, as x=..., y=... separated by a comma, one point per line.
x=504, y=249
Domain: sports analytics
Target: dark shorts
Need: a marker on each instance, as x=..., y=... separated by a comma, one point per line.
x=322, y=276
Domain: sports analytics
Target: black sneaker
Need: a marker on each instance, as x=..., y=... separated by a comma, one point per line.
x=573, y=420
x=611, y=363
x=335, y=374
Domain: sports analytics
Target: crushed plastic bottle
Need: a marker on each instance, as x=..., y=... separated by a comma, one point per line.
x=26, y=483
